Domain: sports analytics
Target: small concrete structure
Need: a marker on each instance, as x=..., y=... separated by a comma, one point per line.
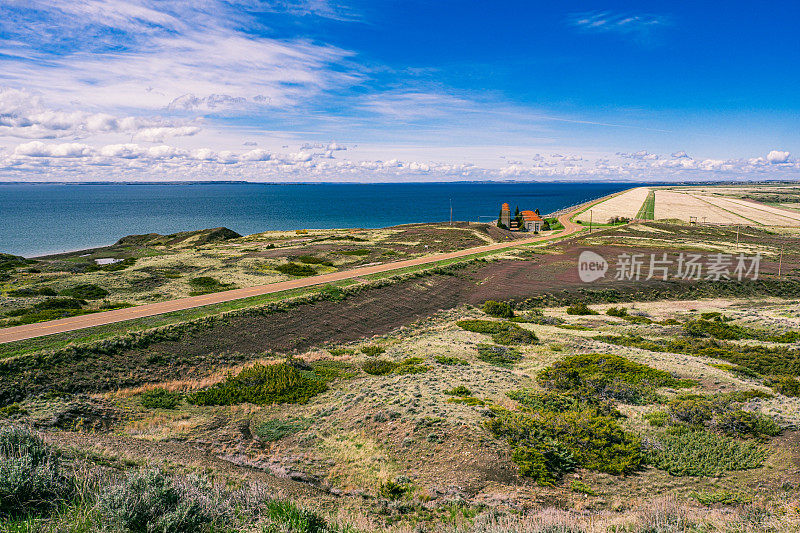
x=531, y=221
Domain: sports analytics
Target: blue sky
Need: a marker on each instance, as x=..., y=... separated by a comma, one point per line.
x=376, y=90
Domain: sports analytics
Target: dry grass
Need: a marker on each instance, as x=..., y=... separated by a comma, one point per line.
x=626, y=205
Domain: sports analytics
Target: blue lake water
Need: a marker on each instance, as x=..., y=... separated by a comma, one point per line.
x=39, y=219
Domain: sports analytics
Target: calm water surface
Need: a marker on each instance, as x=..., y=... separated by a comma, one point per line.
x=39, y=219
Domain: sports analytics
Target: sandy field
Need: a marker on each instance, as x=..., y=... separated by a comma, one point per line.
x=681, y=206
x=626, y=204
x=763, y=214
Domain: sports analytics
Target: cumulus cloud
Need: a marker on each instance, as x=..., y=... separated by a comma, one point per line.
x=679, y=154
x=40, y=149
x=777, y=156
x=640, y=25
x=24, y=115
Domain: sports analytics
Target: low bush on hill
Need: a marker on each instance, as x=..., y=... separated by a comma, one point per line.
x=314, y=260
x=460, y=390
x=151, y=501
x=501, y=332
x=160, y=398
x=372, y=350
x=617, y=312
x=580, y=308
x=719, y=328
x=273, y=430
x=27, y=292
x=698, y=452
x=32, y=480
x=608, y=376
x=296, y=269
x=381, y=367
x=60, y=303
x=85, y=291
x=498, y=309
x=263, y=384
x=739, y=423
x=786, y=385
x=547, y=444
x=207, y=285
x=498, y=355
x=763, y=360
x=450, y=360
x=378, y=367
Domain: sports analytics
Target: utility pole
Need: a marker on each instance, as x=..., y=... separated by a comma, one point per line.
x=451, y=211
x=590, y=220
x=780, y=262
x=737, y=236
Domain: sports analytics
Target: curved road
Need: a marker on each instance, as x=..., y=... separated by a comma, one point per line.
x=39, y=329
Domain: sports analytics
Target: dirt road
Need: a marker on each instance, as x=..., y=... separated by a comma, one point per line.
x=62, y=325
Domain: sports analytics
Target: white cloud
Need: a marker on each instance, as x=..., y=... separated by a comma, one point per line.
x=40, y=149
x=679, y=154
x=641, y=25
x=777, y=156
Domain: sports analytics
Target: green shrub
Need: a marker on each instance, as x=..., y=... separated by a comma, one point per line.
x=28, y=292
x=12, y=410
x=450, y=360
x=296, y=269
x=722, y=497
x=467, y=400
x=372, y=350
x=273, y=430
x=739, y=423
x=392, y=490
x=545, y=400
x=296, y=520
x=61, y=303
x=786, y=385
x=378, y=367
x=85, y=291
x=617, y=311
x=314, y=260
x=263, y=384
x=498, y=355
x=411, y=365
x=160, y=398
x=461, y=390
x=764, y=360
x=720, y=329
x=207, y=285
x=695, y=411
x=498, y=309
x=580, y=308
x=150, y=501
x=515, y=336
x=582, y=488
x=331, y=292
x=342, y=351
x=607, y=375
x=702, y=453
x=31, y=479
x=552, y=442
x=657, y=418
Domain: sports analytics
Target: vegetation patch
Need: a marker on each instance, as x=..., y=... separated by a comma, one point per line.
x=460, y=390
x=450, y=360
x=273, y=430
x=360, y=252
x=32, y=481
x=580, y=308
x=28, y=292
x=498, y=309
x=372, y=350
x=378, y=367
x=609, y=376
x=85, y=291
x=263, y=384
x=501, y=332
x=498, y=355
x=296, y=269
x=764, y=360
x=719, y=328
x=314, y=260
x=786, y=385
x=207, y=285
x=687, y=452
x=160, y=398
